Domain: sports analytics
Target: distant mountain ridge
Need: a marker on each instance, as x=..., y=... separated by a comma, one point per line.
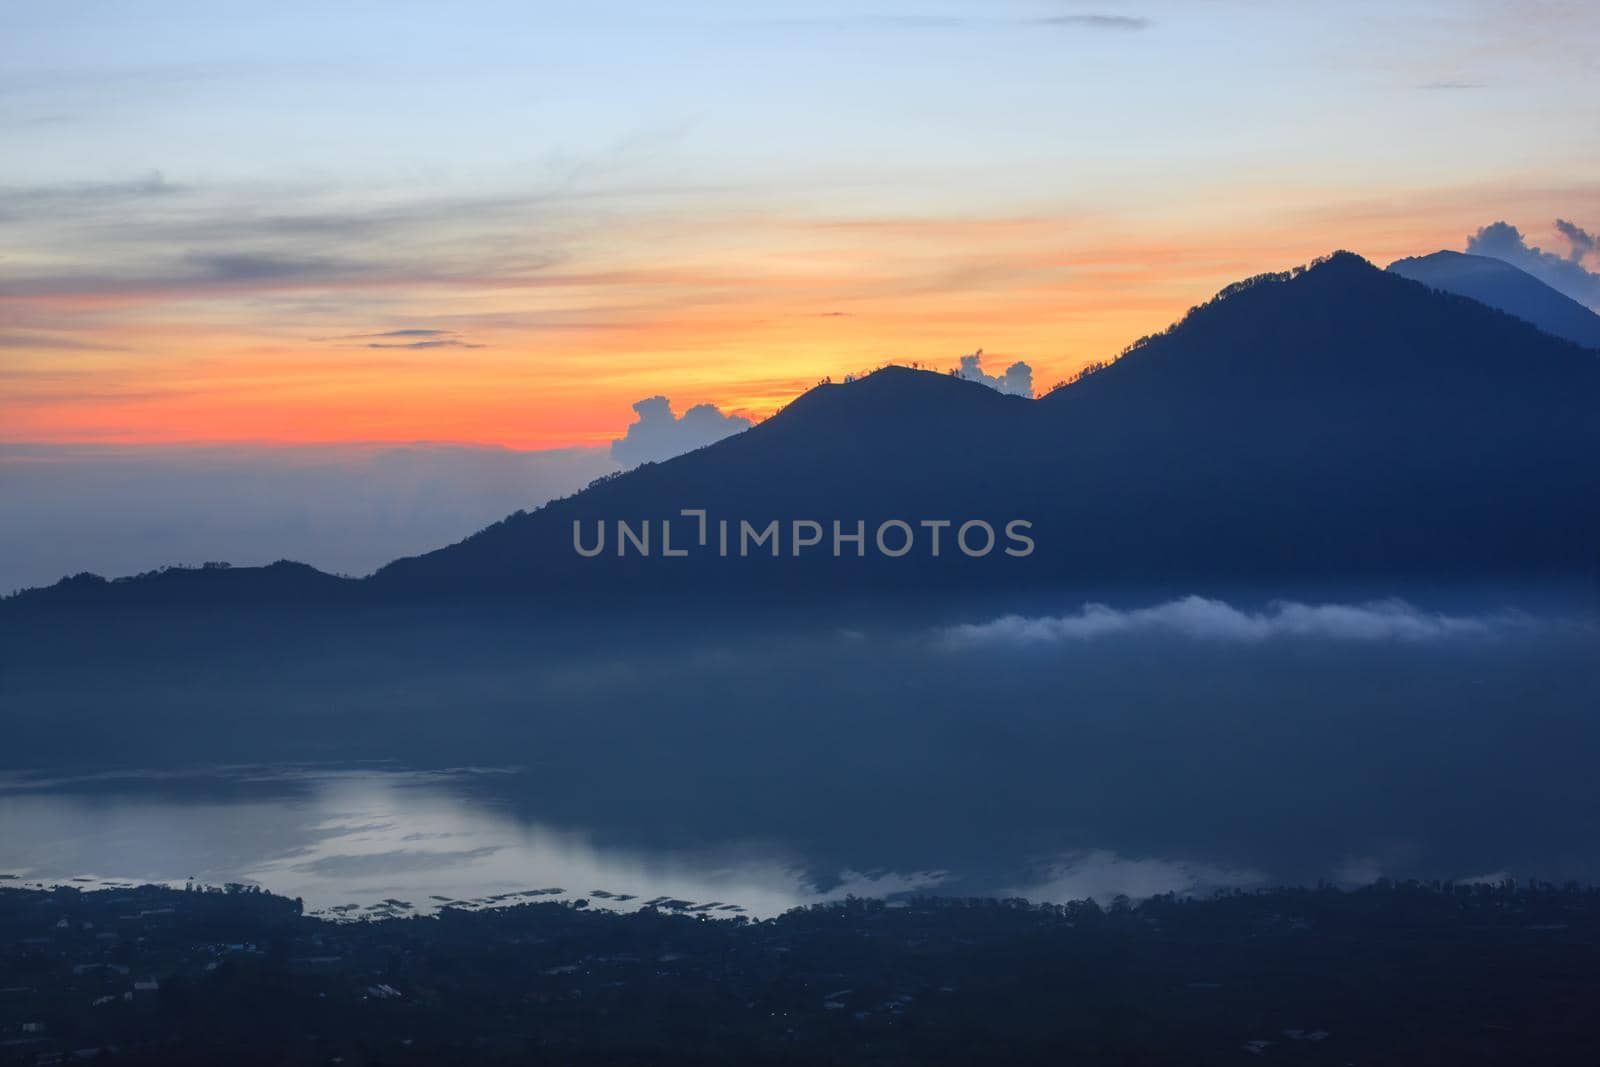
x=1328, y=422
x=1509, y=288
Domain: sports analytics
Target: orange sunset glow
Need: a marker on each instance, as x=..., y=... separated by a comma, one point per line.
x=537, y=357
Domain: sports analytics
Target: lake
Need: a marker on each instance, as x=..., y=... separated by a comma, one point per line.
x=1179, y=745
x=351, y=842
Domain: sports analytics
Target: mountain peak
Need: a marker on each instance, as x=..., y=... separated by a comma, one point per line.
x=1338, y=331
x=1340, y=260
x=1504, y=287
x=895, y=387
x=894, y=377
x=1336, y=268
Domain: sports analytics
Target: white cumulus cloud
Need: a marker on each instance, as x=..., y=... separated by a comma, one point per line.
x=1017, y=379
x=658, y=434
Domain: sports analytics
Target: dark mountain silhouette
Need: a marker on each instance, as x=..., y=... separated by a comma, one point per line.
x=284, y=582
x=1501, y=285
x=1328, y=423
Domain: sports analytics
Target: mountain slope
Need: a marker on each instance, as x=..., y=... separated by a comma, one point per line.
x=1500, y=285
x=898, y=443
x=1331, y=423
x=1341, y=419
x=282, y=583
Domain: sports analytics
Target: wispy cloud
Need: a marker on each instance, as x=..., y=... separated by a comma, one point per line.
x=21, y=201
x=139, y=240
x=929, y=21
x=1096, y=22
x=48, y=342
x=388, y=334
x=441, y=342
x=1200, y=618
x=410, y=338
x=193, y=273
x=227, y=267
x=1582, y=242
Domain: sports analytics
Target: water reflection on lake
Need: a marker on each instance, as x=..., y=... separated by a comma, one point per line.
x=372, y=841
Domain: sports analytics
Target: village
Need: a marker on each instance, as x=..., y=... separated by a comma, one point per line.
x=1316, y=976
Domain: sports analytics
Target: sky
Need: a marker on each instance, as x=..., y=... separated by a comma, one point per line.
x=251, y=253
x=503, y=224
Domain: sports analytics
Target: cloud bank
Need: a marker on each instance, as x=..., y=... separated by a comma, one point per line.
x=1203, y=619
x=657, y=434
x=1017, y=379
x=1567, y=274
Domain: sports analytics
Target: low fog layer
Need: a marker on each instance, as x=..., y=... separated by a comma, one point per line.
x=1143, y=745
x=347, y=509
x=1215, y=620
